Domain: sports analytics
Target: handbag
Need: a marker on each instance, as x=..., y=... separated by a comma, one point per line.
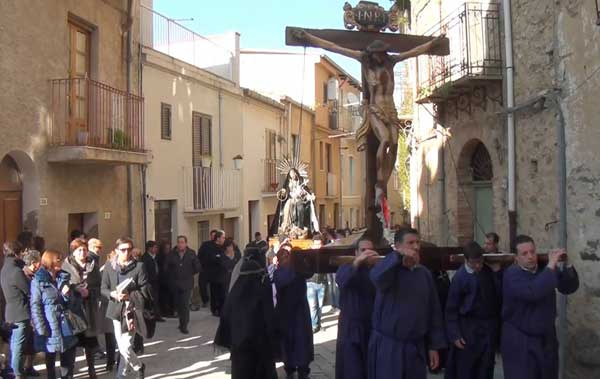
x=77, y=324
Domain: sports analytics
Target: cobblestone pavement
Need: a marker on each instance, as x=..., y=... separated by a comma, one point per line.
x=175, y=356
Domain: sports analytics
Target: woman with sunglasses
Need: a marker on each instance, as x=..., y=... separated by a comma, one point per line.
x=123, y=280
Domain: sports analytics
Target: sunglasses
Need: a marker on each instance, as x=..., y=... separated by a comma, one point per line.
x=125, y=250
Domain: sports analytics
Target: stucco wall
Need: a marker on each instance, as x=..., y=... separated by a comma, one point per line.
x=258, y=116
x=187, y=89
x=34, y=41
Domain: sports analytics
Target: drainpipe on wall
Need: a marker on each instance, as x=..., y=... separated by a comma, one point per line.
x=442, y=178
x=220, y=129
x=144, y=205
x=143, y=168
x=510, y=123
x=129, y=168
x=561, y=158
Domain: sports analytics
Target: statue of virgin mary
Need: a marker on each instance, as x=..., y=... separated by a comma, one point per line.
x=295, y=215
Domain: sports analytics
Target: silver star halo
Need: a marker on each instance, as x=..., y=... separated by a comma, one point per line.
x=286, y=164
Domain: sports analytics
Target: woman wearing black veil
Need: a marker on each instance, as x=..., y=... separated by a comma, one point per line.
x=295, y=211
x=247, y=326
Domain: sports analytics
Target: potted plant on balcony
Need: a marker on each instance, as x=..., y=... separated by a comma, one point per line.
x=206, y=161
x=118, y=139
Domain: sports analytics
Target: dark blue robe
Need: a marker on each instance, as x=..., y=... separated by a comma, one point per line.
x=294, y=315
x=357, y=295
x=473, y=314
x=406, y=318
x=529, y=345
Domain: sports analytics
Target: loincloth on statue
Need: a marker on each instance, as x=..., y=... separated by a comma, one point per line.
x=387, y=114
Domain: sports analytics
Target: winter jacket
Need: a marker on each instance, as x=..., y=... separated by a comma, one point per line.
x=182, y=270
x=91, y=273
x=52, y=331
x=110, y=280
x=210, y=255
x=152, y=268
x=15, y=287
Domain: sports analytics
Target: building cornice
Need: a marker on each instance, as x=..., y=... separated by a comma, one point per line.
x=161, y=61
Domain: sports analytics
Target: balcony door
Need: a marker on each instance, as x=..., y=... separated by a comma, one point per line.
x=79, y=69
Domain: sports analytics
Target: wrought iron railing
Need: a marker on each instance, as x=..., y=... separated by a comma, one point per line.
x=271, y=176
x=349, y=117
x=209, y=188
x=475, y=48
x=169, y=37
x=89, y=113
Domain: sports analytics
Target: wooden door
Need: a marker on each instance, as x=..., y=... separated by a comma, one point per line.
x=79, y=70
x=483, y=210
x=11, y=222
x=162, y=221
x=11, y=190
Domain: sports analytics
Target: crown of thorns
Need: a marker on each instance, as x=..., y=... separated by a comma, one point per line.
x=378, y=46
x=286, y=165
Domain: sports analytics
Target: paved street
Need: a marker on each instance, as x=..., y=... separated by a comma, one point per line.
x=174, y=356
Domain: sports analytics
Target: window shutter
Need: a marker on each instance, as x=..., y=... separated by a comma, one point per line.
x=206, y=135
x=196, y=139
x=270, y=144
x=165, y=121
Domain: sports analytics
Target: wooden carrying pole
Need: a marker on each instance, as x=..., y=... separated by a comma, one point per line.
x=504, y=259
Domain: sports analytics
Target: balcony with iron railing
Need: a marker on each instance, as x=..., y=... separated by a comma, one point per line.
x=209, y=189
x=350, y=117
x=475, y=54
x=91, y=121
x=346, y=118
x=271, y=176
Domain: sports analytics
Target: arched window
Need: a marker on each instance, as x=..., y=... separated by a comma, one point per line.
x=10, y=176
x=481, y=164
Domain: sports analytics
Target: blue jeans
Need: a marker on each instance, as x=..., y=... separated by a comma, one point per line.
x=334, y=291
x=18, y=340
x=315, y=292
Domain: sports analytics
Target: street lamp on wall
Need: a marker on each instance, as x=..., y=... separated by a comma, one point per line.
x=237, y=162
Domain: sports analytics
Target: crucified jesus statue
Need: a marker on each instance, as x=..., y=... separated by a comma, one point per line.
x=380, y=114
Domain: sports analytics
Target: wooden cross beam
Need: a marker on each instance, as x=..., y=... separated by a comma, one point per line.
x=327, y=259
x=355, y=40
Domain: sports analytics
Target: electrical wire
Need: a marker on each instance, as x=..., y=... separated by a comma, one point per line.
x=298, y=144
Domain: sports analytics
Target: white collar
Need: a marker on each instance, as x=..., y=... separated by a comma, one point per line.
x=469, y=269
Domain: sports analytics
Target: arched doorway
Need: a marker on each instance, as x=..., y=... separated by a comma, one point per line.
x=11, y=195
x=475, y=197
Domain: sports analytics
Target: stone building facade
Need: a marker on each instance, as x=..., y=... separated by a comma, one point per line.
x=72, y=136
x=459, y=175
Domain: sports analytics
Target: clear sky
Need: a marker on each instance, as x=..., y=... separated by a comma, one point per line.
x=261, y=23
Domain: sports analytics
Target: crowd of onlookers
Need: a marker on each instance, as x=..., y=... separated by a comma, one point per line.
x=54, y=303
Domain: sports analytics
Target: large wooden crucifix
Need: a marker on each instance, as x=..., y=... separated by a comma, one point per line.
x=378, y=52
